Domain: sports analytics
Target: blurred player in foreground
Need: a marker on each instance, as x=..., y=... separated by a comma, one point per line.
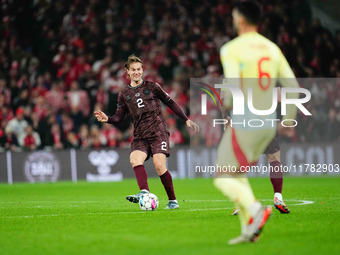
x=256, y=58
x=273, y=155
x=141, y=100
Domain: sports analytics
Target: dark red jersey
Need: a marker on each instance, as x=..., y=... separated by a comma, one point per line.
x=143, y=105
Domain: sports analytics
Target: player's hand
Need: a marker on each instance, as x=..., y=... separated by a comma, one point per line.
x=101, y=117
x=193, y=126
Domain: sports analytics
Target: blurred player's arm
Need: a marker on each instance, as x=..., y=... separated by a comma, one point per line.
x=231, y=71
x=225, y=112
x=178, y=111
x=117, y=118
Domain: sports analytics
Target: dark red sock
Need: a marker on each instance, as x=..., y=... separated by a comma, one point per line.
x=166, y=180
x=141, y=176
x=276, y=176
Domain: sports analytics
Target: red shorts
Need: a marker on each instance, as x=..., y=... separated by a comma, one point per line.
x=151, y=146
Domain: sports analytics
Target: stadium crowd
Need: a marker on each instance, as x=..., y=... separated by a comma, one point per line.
x=61, y=60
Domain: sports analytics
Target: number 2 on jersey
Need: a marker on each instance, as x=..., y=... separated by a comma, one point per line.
x=140, y=103
x=263, y=75
x=163, y=146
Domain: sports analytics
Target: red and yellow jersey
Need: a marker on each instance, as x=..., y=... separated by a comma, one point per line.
x=253, y=61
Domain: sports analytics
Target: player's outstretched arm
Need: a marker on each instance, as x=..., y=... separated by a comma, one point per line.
x=166, y=99
x=178, y=111
x=115, y=119
x=101, y=117
x=192, y=125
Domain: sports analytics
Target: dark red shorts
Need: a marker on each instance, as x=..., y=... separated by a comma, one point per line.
x=151, y=146
x=273, y=147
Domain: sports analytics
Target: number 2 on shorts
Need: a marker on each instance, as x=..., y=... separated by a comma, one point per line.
x=163, y=146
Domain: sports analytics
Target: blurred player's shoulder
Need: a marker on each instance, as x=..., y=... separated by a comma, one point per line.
x=148, y=83
x=264, y=42
x=250, y=40
x=124, y=89
x=151, y=83
x=152, y=86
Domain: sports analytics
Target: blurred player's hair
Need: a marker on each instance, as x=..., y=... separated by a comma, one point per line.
x=132, y=59
x=250, y=10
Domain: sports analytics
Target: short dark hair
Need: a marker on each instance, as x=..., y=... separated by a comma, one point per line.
x=132, y=59
x=250, y=10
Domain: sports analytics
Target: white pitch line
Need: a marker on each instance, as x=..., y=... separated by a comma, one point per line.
x=109, y=213
x=62, y=202
x=208, y=209
x=302, y=202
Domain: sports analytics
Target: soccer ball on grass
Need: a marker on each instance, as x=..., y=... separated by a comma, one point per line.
x=148, y=202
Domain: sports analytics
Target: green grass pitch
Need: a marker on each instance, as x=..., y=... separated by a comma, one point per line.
x=95, y=218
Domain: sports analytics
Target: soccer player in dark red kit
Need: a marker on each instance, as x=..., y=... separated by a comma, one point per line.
x=141, y=100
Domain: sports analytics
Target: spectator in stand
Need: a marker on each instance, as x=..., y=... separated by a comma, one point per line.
x=45, y=125
x=166, y=69
x=47, y=80
x=2, y=100
x=60, y=57
x=176, y=136
x=18, y=124
x=39, y=88
x=36, y=123
x=5, y=92
x=40, y=107
x=23, y=82
x=100, y=64
x=66, y=123
x=9, y=140
x=55, y=97
x=333, y=126
x=78, y=99
x=23, y=99
x=79, y=68
x=102, y=97
x=153, y=76
x=28, y=114
x=6, y=114
x=72, y=141
x=112, y=134
x=178, y=94
x=212, y=135
x=113, y=85
x=85, y=141
x=64, y=74
x=29, y=140
x=55, y=137
x=98, y=139
x=70, y=20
